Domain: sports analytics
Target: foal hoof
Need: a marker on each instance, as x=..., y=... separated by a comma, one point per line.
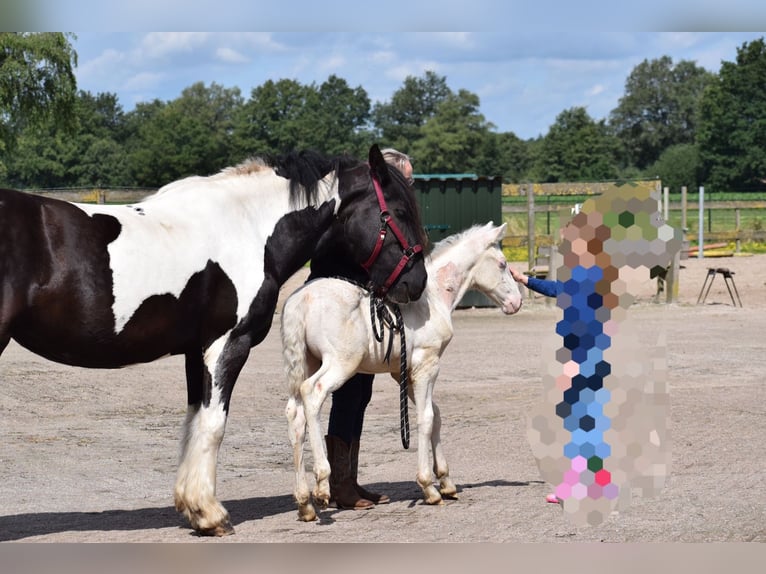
x=432, y=496
x=225, y=529
x=323, y=502
x=307, y=513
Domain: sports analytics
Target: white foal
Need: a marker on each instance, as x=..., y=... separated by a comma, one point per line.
x=327, y=337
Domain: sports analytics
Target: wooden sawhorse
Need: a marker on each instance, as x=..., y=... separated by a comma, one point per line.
x=711, y=273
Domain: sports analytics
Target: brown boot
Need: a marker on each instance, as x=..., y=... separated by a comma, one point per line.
x=353, y=470
x=342, y=490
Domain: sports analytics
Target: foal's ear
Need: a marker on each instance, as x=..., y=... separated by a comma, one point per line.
x=494, y=234
x=501, y=231
x=378, y=165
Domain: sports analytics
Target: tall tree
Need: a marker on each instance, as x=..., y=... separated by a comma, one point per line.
x=92, y=155
x=678, y=166
x=732, y=133
x=577, y=148
x=189, y=135
x=285, y=115
x=399, y=121
x=36, y=83
x=339, y=117
x=452, y=139
x=272, y=119
x=659, y=108
x=505, y=155
x=97, y=156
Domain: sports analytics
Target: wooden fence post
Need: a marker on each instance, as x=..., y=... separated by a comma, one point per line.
x=531, y=224
x=671, y=279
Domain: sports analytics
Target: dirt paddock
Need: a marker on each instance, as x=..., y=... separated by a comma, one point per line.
x=90, y=455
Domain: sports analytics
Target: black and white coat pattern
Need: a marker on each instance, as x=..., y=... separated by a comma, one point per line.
x=195, y=269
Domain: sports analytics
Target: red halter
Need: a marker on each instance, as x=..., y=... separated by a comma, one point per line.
x=386, y=221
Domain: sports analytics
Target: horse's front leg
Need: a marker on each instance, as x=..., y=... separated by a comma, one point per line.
x=210, y=378
x=296, y=420
x=419, y=390
x=314, y=391
x=447, y=488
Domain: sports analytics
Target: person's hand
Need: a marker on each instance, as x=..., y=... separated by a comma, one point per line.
x=517, y=276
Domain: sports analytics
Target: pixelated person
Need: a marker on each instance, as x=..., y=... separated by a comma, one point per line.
x=601, y=430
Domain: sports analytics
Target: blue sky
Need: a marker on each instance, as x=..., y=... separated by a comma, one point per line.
x=523, y=79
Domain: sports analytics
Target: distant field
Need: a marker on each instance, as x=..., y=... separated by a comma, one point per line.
x=719, y=220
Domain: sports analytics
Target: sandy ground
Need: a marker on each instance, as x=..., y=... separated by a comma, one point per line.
x=90, y=455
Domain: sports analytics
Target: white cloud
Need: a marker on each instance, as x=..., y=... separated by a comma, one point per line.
x=595, y=90
x=231, y=56
x=161, y=44
x=104, y=63
x=332, y=64
x=383, y=57
x=143, y=81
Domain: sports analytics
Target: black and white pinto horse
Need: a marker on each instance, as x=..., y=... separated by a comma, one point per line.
x=329, y=333
x=195, y=269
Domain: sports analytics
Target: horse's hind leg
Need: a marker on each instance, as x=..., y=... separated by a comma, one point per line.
x=296, y=420
x=447, y=488
x=210, y=381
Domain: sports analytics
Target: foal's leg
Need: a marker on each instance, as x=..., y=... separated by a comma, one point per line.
x=420, y=392
x=314, y=391
x=447, y=488
x=296, y=420
x=210, y=380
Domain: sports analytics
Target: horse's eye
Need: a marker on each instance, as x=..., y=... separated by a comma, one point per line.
x=400, y=214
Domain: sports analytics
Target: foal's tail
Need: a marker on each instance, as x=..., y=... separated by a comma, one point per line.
x=294, y=351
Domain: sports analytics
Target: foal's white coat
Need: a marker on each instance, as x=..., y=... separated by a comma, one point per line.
x=327, y=337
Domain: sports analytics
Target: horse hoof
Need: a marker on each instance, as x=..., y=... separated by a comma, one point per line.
x=225, y=529
x=307, y=514
x=434, y=500
x=449, y=492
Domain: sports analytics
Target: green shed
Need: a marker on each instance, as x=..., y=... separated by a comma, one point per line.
x=450, y=203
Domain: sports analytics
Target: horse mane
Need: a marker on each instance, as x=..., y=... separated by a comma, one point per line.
x=446, y=243
x=410, y=204
x=303, y=169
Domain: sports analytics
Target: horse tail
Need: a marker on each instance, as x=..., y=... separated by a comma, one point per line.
x=294, y=351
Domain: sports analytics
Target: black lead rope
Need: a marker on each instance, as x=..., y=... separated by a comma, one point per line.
x=380, y=317
x=404, y=419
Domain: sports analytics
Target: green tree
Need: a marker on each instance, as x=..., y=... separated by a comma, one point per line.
x=191, y=135
x=36, y=83
x=732, y=133
x=285, y=115
x=576, y=148
x=338, y=116
x=659, y=108
x=96, y=155
x=91, y=155
x=505, y=155
x=398, y=122
x=140, y=126
x=452, y=139
x=678, y=166
x=272, y=120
